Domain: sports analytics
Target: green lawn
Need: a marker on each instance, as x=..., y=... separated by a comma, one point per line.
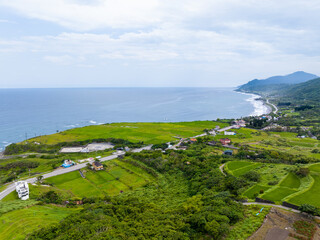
x=146, y=132
x=278, y=194
x=243, y=170
x=291, y=181
x=269, y=173
x=250, y=193
x=237, y=164
x=17, y=224
x=311, y=196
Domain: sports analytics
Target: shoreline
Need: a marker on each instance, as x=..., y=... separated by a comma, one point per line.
x=261, y=107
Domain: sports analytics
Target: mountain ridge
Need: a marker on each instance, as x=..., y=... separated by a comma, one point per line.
x=290, y=79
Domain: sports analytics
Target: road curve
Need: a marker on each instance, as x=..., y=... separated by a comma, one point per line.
x=221, y=169
x=275, y=107
x=57, y=172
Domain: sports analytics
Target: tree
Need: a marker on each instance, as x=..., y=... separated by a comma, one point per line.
x=303, y=172
x=307, y=208
x=39, y=179
x=252, y=176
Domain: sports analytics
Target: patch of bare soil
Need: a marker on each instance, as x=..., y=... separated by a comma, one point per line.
x=278, y=225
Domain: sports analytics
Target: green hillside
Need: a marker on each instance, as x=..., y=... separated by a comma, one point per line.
x=276, y=82
x=307, y=91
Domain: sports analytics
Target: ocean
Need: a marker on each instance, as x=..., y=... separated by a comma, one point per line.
x=27, y=113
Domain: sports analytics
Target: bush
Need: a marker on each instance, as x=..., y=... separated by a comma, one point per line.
x=307, y=208
x=50, y=197
x=252, y=176
x=272, y=183
x=302, y=172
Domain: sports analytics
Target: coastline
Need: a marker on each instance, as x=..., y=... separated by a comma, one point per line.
x=260, y=107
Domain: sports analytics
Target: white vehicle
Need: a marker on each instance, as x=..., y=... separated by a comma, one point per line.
x=22, y=189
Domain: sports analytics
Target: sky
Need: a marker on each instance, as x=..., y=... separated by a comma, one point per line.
x=155, y=43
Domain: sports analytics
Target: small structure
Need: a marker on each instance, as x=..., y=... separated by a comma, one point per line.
x=71, y=149
x=97, y=166
x=240, y=123
x=193, y=140
x=225, y=141
x=228, y=152
x=22, y=189
x=229, y=133
x=67, y=163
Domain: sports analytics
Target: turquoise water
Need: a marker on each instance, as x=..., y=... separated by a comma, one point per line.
x=27, y=113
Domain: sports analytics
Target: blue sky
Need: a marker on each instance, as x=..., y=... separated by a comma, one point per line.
x=155, y=43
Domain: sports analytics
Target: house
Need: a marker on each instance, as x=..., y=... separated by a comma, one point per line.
x=67, y=163
x=193, y=140
x=240, y=122
x=225, y=141
x=228, y=152
x=97, y=166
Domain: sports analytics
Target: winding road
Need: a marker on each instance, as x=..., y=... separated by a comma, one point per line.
x=275, y=107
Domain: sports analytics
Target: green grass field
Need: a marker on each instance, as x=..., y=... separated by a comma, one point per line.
x=17, y=224
x=135, y=132
x=237, y=164
x=279, y=173
x=278, y=194
x=290, y=187
x=251, y=192
x=291, y=181
x=311, y=195
x=118, y=176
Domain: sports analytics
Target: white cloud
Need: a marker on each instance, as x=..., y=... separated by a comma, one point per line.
x=216, y=36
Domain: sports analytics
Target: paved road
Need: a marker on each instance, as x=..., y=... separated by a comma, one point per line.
x=275, y=107
x=57, y=172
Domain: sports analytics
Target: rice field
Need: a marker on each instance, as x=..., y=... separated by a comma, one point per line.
x=118, y=177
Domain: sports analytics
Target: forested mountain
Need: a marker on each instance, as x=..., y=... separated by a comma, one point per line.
x=276, y=82
x=309, y=91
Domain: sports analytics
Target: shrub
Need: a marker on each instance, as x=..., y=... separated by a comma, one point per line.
x=302, y=172
x=307, y=208
x=273, y=183
x=252, y=176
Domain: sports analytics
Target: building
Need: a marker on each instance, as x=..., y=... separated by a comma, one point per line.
x=228, y=152
x=229, y=133
x=240, y=122
x=22, y=189
x=193, y=140
x=97, y=166
x=67, y=163
x=225, y=141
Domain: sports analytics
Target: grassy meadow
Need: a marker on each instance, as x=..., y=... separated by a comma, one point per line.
x=19, y=223
x=289, y=187
x=149, y=133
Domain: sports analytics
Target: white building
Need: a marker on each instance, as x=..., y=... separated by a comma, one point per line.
x=22, y=189
x=229, y=133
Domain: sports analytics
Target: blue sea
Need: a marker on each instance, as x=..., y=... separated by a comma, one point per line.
x=27, y=113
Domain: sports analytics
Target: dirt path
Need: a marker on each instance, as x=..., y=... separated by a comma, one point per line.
x=221, y=169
